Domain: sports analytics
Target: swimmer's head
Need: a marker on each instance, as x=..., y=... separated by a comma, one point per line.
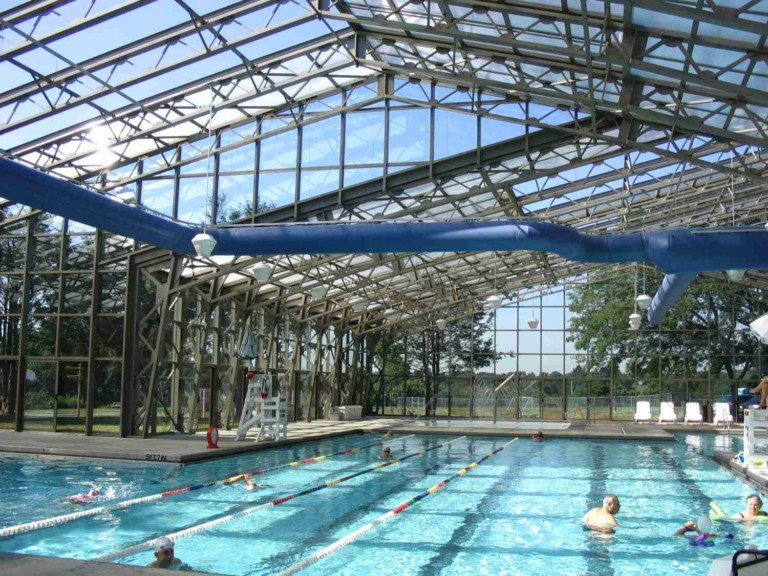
x=163, y=543
x=611, y=503
x=94, y=492
x=754, y=503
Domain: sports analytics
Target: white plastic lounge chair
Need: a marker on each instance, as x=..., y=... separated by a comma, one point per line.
x=692, y=412
x=723, y=414
x=643, y=411
x=667, y=413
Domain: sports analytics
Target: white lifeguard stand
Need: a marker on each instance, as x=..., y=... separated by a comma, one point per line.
x=755, y=437
x=265, y=409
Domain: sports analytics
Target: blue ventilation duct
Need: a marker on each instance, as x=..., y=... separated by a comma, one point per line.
x=683, y=252
x=671, y=290
x=44, y=192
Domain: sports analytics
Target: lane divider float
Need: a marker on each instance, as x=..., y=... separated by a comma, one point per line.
x=63, y=519
x=351, y=537
x=246, y=512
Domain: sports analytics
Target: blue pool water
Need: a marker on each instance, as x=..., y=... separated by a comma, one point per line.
x=517, y=513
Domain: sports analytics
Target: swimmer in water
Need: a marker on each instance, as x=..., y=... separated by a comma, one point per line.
x=86, y=498
x=603, y=518
x=249, y=484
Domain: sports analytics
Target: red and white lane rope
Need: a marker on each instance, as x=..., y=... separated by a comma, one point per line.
x=63, y=519
x=349, y=538
x=228, y=518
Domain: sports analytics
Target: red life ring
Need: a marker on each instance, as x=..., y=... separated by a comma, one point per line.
x=213, y=437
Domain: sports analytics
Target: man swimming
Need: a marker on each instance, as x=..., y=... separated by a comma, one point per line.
x=603, y=518
x=249, y=484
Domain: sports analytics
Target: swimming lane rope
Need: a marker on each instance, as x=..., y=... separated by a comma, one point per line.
x=63, y=519
x=349, y=538
x=206, y=525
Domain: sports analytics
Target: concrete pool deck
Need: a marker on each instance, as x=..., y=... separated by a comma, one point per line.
x=186, y=449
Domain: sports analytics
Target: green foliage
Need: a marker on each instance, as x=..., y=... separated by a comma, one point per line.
x=468, y=352
x=704, y=333
x=228, y=213
x=38, y=400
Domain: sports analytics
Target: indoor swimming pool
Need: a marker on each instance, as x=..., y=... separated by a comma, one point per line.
x=516, y=513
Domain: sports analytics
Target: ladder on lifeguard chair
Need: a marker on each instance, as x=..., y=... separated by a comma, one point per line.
x=251, y=414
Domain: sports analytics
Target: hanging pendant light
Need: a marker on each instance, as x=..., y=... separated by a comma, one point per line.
x=203, y=244
x=634, y=321
x=735, y=275
x=262, y=271
x=494, y=302
x=643, y=301
x=441, y=323
x=533, y=322
x=318, y=292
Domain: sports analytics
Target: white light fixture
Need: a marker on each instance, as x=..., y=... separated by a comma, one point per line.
x=634, y=321
x=494, y=302
x=359, y=305
x=533, y=323
x=318, y=292
x=204, y=244
x=262, y=271
x=30, y=376
x=759, y=328
x=643, y=301
x=735, y=275
x=441, y=323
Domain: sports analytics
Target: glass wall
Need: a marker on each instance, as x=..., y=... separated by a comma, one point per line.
x=62, y=301
x=567, y=352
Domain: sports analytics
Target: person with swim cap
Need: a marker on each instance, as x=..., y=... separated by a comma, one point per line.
x=603, y=518
x=538, y=437
x=389, y=434
x=752, y=510
x=86, y=498
x=386, y=454
x=698, y=530
x=249, y=484
x=164, y=555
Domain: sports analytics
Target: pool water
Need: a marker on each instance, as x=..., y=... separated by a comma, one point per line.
x=516, y=513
